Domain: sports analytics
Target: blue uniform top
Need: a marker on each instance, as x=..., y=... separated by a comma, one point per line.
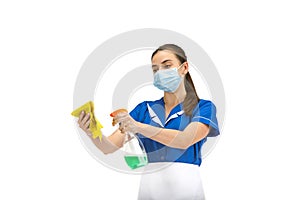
x=153, y=113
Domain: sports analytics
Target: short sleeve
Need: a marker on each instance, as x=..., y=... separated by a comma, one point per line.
x=138, y=112
x=205, y=113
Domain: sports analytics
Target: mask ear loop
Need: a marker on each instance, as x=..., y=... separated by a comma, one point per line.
x=180, y=66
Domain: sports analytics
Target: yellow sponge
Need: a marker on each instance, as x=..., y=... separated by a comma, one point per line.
x=95, y=125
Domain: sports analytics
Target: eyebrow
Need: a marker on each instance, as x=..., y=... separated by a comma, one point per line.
x=163, y=62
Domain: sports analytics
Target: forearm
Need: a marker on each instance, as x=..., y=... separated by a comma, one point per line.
x=108, y=144
x=169, y=137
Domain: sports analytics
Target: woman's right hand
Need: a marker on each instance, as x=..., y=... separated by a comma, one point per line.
x=84, y=123
x=108, y=144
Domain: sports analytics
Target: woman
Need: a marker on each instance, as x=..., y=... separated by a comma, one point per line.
x=172, y=129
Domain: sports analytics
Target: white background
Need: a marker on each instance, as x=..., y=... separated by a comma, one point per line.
x=255, y=46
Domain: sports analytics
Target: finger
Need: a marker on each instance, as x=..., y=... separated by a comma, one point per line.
x=81, y=116
x=80, y=121
x=118, y=119
x=121, y=119
x=86, y=118
x=87, y=124
x=120, y=115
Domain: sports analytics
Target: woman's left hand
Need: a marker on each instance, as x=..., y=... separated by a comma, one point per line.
x=126, y=123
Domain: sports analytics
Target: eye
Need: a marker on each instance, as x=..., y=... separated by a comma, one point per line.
x=154, y=71
x=166, y=66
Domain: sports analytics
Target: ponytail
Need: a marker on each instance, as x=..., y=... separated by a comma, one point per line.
x=191, y=99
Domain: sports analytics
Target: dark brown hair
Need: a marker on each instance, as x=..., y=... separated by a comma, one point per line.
x=191, y=100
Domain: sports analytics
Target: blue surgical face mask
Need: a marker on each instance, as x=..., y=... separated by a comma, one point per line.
x=167, y=80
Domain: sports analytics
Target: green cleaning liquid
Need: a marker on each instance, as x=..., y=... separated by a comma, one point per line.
x=135, y=161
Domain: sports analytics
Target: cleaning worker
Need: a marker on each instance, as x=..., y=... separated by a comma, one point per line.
x=172, y=129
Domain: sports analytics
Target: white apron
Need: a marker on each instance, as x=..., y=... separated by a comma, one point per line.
x=178, y=181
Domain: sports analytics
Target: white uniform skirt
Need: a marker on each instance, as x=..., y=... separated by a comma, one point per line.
x=178, y=181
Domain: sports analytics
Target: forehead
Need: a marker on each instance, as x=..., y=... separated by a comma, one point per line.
x=160, y=56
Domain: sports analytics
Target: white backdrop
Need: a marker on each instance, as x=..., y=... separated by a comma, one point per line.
x=255, y=46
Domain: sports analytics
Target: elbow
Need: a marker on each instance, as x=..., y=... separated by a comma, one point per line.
x=110, y=150
x=183, y=146
x=106, y=152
